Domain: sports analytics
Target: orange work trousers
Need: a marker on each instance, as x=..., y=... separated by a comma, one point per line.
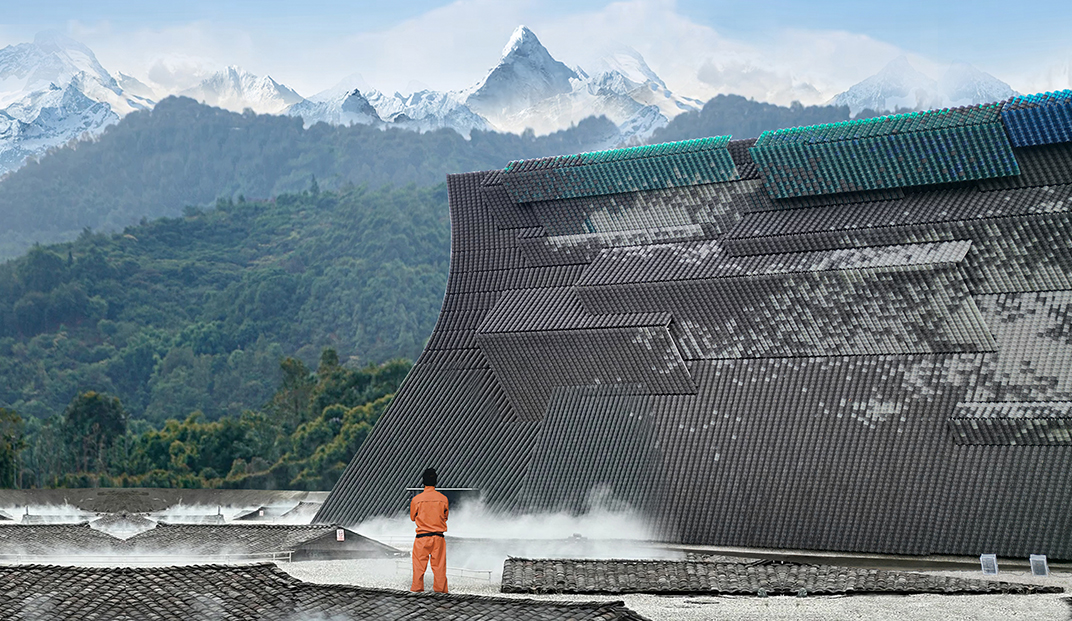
x=436, y=548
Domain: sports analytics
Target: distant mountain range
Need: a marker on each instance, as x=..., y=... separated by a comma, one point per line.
x=899, y=85
x=527, y=88
x=54, y=90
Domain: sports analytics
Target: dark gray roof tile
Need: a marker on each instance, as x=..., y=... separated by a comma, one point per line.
x=727, y=578
x=262, y=592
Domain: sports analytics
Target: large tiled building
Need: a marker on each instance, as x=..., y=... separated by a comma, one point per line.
x=850, y=337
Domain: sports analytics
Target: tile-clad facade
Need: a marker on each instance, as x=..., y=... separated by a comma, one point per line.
x=874, y=371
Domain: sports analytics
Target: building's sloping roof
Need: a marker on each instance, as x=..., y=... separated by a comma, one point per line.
x=262, y=592
x=753, y=366
x=648, y=167
x=245, y=538
x=53, y=540
x=186, y=540
x=1045, y=118
x=760, y=578
x=896, y=151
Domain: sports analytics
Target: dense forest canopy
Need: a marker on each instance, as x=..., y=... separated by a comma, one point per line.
x=302, y=438
x=194, y=313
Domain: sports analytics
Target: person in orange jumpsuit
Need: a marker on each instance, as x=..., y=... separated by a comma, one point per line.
x=429, y=510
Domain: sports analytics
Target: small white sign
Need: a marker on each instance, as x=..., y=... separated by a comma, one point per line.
x=340, y=534
x=989, y=563
x=1039, y=566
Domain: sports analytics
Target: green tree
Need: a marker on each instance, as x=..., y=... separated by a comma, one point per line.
x=290, y=405
x=11, y=444
x=91, y=424
x=41, y=269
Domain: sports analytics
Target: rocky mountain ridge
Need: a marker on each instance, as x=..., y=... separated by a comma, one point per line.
x=54, y=91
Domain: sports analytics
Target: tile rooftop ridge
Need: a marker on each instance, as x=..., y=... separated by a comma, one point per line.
x=679, y=147
x=974, y=115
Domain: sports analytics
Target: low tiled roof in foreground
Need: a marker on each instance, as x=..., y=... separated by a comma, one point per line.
x=251, y=592
x=852, y=337
x=186, y=540
x=758, y=578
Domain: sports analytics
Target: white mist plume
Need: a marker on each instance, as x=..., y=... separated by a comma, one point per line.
x=479, y=538
x=47, y=514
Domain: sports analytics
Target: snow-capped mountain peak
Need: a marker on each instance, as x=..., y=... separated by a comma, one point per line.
x=343, y=88
x=51, y=59
x=628, y=62
x=897, y=85
x=53, y=91
x=236, y=89
x=134, y=86
x=525, y=75
x=964, y=85
x=900, y=85
x=522, y=42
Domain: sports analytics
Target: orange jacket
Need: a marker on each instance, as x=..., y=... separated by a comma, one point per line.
x=429, y=510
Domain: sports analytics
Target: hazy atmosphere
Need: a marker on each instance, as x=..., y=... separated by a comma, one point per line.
x=644, y=310
x=770, y=50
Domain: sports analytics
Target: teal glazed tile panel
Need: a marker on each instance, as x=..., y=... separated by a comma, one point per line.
x=648, y=167
x=912, y=122
x=922, y=148
x=898, y=160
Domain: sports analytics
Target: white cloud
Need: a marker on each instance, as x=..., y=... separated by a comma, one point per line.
x=1055, y=77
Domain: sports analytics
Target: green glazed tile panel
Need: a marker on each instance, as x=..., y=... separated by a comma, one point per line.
x=649, y=167
x=911, y=122
x=944, y=154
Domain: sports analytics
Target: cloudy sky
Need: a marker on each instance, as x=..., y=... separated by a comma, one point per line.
x=773, y=50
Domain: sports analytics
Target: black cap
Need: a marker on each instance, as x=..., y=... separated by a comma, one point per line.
x=429, y=477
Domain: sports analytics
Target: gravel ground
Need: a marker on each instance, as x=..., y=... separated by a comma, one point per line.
x=386, y=574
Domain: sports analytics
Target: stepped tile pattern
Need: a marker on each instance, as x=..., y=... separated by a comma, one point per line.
x=900, y=150
x=762, y=578
x=262, y=592
x=996, y=424
x=670, y=165
x=872, y=368
x=1045, y=118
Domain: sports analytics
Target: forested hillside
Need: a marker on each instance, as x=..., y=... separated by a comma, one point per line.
x=155, y=163
x=743, y=118
x=194, y=313
x=302, y=438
